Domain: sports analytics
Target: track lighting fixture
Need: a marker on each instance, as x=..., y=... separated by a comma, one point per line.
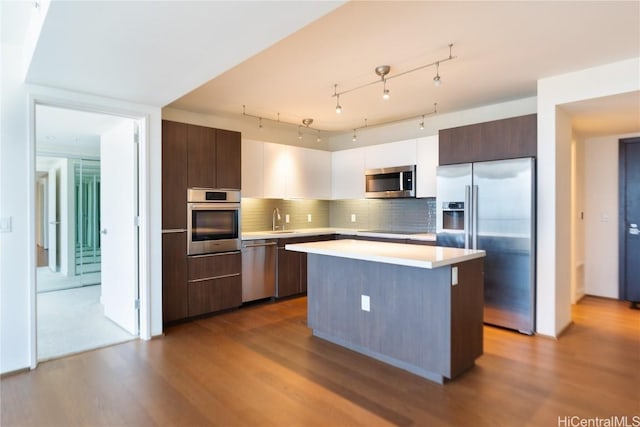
x=307, y=122
x=338, y=107
x=383, y=71
x=436, y=80
x=385, y=91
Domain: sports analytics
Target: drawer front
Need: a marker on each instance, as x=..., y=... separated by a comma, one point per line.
x=211, y=266
x=208, y=296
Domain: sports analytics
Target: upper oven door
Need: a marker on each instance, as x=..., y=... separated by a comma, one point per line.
x=213, y=227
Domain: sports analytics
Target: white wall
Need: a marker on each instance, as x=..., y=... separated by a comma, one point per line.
x=17, y=197
x=553, y=309
x=577, y=221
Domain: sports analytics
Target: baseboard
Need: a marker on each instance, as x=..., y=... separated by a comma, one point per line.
x=16, y=372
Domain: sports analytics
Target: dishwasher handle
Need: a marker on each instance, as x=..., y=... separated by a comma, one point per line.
x=258, y=245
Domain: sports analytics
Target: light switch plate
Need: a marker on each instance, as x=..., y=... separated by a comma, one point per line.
x=454, y=276
x=286, y=218
x=5, y=224
x=308, y=217
x=353, y=217
x=365, y=303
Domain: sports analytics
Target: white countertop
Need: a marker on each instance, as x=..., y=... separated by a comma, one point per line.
x=390, y=253
x=305, y=232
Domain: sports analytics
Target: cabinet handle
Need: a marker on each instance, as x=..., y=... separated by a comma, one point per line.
x=214, y=277
x=174, y=230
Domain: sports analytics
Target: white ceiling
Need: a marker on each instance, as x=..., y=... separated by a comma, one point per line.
x=215, y=56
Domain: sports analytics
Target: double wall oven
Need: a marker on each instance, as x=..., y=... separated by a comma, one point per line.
x=213, y=221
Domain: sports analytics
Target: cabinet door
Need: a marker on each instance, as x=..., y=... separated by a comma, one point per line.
x=309, y=174
x=278, y=164
x=174, y=175
x=228, y=169
x=174, y=277
x=201, y=155
x=400, y=153
x=288, y=273
x=427, y=163
x=347, y=174
x=252, y=168
x=208, y=296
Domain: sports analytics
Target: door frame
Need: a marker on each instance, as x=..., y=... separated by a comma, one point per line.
x=94, y=105
x=622, y=201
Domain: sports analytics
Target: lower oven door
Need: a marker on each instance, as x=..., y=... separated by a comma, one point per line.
x=213, y=227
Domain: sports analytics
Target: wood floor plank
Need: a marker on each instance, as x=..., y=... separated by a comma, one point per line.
x=260, y=366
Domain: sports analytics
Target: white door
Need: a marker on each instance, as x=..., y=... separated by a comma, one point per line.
x=119, y=232
x=53, y=218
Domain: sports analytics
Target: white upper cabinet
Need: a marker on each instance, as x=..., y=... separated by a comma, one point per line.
x=287, y=172
x=252, y=168
x=426, y=164
x=310, y=174
x=347, y=174
x=400, y=153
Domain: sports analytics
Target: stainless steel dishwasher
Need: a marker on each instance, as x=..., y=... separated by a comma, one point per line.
x=258, y=269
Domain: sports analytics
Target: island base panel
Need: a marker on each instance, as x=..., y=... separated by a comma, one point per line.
x=413, y=314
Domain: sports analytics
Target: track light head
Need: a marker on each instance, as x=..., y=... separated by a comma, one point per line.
x=436, y=80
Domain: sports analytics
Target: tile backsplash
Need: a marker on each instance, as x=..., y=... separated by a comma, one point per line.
x=417, y=215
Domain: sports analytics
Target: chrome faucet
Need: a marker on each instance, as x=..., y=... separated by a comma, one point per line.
x=276, y=218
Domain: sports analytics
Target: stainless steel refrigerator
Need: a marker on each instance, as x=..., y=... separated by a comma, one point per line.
x=491, y=206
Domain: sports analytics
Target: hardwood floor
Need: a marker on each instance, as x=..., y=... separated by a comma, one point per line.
x=260, y=366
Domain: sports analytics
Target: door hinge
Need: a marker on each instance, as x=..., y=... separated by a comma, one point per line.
x=136, y=304
x=136, y=221
x=136, y=134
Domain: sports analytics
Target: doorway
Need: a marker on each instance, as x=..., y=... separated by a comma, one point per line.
x=629, y=222
x=78, y=154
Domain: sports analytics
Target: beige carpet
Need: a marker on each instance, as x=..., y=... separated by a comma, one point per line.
x=72, y=320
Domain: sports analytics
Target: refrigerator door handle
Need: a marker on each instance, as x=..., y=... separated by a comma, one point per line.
x=474, y=211
x=467, y=215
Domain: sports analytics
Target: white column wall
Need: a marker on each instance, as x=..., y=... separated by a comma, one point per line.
x=17, y=178
x=553, y=309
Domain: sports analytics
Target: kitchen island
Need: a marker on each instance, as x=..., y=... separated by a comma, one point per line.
x=418, y=308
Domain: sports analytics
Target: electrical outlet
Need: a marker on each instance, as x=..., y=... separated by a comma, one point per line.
x=308, y=217
x=287, y=219
x=353, y=217
x=365, y=303
x=454, y=276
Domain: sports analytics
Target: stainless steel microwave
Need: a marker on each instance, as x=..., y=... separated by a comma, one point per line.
x=389, y=183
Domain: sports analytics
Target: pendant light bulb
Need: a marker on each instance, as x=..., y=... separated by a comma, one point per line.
x=337, y=95
x=436, y=80
x=422, y=123
x=299, y=133
x=318, y=139
x=354, y=136
x=260, y=123
x=385, y=91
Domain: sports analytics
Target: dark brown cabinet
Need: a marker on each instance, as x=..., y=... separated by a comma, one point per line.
x=174, y=276
x=174, y=175
x=497, y=140
x=228, y=164
x=215, y=283
x=292, y=266
x=196, y=156
x=213, y=158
